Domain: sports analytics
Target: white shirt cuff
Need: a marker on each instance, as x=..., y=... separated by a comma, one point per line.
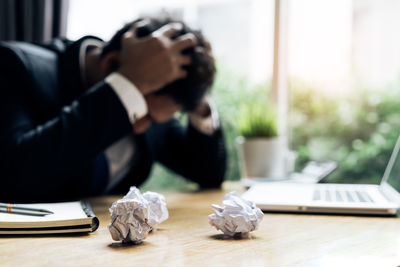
x=130, y=96
x=207, y=125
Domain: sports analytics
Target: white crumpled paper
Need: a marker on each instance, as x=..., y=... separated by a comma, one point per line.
x=237, y=216
x=158, y=211
x=135, y=215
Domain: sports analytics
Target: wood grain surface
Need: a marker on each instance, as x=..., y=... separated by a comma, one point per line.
x=187, y=239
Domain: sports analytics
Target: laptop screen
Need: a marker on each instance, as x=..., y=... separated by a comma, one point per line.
x=394, y=176
x=392, y=172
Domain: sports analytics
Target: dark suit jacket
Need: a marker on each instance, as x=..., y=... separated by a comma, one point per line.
x=52, y=129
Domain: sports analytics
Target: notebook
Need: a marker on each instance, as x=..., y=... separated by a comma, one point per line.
x=66, y=217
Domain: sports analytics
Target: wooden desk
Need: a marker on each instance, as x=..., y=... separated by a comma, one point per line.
x=187, y=239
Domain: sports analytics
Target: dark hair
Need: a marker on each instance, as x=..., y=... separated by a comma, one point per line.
x=188, y=91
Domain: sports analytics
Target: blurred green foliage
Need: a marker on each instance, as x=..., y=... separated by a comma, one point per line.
x=358, y=131
x=257, y=119
x=234, y=94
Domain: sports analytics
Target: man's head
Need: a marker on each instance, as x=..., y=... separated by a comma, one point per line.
x=187, y=91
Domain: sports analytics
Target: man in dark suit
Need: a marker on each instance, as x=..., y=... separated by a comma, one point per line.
x=86, y=118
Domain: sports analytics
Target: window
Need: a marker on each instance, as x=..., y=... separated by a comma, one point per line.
x=338, y=68
x=343, y=65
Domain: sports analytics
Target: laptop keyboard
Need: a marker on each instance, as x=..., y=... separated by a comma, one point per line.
x=334, y=195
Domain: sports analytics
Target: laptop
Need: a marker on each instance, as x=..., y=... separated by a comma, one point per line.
x=383, y=199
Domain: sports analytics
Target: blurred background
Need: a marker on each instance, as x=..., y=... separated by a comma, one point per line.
x=342, y=67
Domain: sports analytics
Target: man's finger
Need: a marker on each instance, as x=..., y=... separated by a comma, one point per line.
x=200, y=50
x=185, y=41
x=132, y=32
x=184, y=60
x=208, y=45
x=168, y=30
x=142, y=124
x=206, y=52
x=181, y=74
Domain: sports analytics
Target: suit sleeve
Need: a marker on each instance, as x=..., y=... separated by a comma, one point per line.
x=190, y=153
x=41, y=155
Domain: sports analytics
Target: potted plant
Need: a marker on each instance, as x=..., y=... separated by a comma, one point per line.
x=262, y=152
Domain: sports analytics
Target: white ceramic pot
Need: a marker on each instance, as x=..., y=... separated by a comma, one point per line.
x=263, y=157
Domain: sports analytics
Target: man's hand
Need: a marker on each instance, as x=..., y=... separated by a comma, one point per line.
x=142, y=125
x=162, y=108
x=203, y=109
x=154, y=61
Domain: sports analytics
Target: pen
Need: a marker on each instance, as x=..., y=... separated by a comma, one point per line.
x=16, y=209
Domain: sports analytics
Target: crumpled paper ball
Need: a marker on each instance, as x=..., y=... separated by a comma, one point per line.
x=158, y=208
x=135, y=215
x=236, y=217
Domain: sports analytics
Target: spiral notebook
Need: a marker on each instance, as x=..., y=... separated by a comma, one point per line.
x=66, y=217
